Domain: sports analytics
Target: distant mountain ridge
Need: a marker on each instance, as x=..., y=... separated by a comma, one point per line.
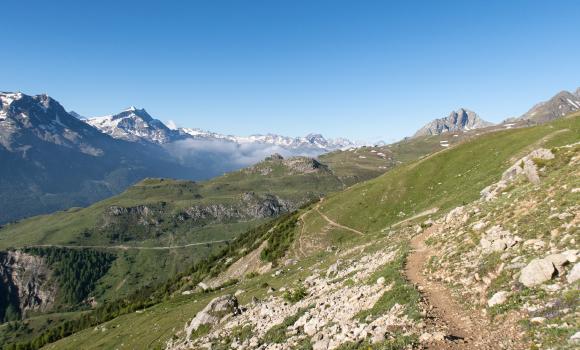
x=136, y=125
x=564, y=102
x=459, y=120
x=53, y=159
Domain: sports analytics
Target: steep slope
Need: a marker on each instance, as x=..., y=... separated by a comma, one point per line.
x=354, y=242
x=51, y=160
x=513, y=254
x=461, y=119
x=563, y=103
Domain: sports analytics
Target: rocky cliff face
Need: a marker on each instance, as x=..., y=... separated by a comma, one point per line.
x=26, y=284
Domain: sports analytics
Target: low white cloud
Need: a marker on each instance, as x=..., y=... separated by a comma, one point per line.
x=224, y=155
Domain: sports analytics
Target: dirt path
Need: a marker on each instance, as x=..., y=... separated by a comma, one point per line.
x=124, y=247
x=421, y=214
x=333, y=223
x=463, y=329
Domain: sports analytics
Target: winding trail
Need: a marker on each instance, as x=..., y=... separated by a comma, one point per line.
x=124, y=247
x=463, y=328
x=333, y=223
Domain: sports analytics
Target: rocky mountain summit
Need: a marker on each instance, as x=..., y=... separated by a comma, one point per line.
x=563, y=103
x=134, y=124
x=459, y=120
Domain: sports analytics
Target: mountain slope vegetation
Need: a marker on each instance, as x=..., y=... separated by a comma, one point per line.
x=354, y=241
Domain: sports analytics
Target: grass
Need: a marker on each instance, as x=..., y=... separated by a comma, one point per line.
x=443, y=180
x=295, y=295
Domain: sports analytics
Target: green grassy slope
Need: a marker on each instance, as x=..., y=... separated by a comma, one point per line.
x=364, y=163
x=444, y=180
x=167, y=198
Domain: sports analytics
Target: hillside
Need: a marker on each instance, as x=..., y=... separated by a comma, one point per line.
x=345, y=258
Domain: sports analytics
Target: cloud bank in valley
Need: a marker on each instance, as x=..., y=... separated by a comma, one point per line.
x=225, y=155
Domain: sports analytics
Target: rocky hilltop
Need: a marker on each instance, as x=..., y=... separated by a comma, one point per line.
x=459, y=120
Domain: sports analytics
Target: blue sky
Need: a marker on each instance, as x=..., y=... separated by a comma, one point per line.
x=362, y=69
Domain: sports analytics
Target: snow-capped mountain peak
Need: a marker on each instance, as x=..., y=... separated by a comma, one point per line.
x=133, y=124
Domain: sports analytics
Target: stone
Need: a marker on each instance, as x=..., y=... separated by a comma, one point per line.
x=575, y=339
x=311, y=327
x=498, y=298
x=381, y=280
x=425, y=338
x=538, y=320
x=574, y=274
x=438, y=336
x=320, y=345
x=215, y=311
x=559, y=261
x=571, y=255
x=537, y=272
x=333, y=270
x=478, y=226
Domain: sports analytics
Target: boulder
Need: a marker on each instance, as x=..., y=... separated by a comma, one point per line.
x=332, y=270
x=215, y=311
x=498, y=298
x=381, y=280
x=537, y=272
x=559, y=261
x=574, y=274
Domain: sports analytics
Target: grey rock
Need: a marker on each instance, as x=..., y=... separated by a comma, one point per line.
x=574, y=274
x=537, y=272
x=215, y=311
x=459, y=120
x=498, y=298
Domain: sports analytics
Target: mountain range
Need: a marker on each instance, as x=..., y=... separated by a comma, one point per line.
x=137, y=125
x=53, y=159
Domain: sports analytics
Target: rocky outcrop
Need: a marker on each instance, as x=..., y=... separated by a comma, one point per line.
x=525, y=166
x=25, y=283
x=460, y=120
x=251, y=206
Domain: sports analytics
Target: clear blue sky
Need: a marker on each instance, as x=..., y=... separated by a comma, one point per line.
x=360, y=69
